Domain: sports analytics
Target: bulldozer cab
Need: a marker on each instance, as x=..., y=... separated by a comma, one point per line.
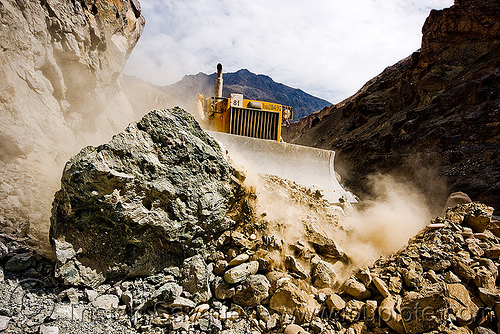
x=239, y=116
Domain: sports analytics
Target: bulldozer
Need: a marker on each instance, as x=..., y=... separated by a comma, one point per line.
x=250, y=130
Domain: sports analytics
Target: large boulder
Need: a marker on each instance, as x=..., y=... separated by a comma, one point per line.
x=152, y=196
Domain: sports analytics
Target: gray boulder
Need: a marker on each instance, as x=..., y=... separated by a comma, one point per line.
x=20, y=262
x=152, y=196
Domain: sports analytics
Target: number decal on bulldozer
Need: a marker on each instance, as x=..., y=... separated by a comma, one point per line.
x=237, y=100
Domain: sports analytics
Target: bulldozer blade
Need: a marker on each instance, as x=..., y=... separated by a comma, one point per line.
x=307, y=166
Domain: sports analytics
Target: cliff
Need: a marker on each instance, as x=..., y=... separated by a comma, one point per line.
x=59, y=66
x=432, y=118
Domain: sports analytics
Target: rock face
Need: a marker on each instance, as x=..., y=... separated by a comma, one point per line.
x=439, y=107
x=437, y=283
x=152, y=196
x=59, y=65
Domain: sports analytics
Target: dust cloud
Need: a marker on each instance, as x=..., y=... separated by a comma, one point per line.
x=383, y=224
x=374, y=227
x=40, y=135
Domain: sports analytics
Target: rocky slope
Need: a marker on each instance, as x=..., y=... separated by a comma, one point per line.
x=445, y=280
x=59, y=66
x=438, y=110
x=252, y=86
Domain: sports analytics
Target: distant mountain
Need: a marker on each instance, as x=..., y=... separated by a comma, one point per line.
x=252, y=86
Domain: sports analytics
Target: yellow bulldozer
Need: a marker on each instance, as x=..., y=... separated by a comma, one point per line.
x=250, y=130
x=243, y=117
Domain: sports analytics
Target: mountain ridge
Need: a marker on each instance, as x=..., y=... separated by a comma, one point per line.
x=252, y=86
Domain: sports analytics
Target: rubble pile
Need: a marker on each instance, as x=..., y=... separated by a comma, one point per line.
x=443, y=281
x=156, y=232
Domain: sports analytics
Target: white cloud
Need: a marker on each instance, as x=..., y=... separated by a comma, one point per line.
x=329, y=48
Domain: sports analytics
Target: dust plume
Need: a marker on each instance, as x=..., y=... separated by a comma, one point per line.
x=375, y=227
x=41, y=134
x=383, y=224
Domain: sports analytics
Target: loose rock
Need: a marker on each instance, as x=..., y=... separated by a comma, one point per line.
x=223, y=290
x=381, y=287
x=241, y=272
x=195, y=276
x=4, y=322
x=323, y=275
x=295, y=267
x=44, y=329
x=432, y=301
x=460, y=303
x=20, y=262
x=334, y=302
x=252, y=291
x=150, y=182
x=289, y=299
x=356, y=289
x=389, y=312
x=353, y=310
x=239, y=260
x=294, y=329
x=106, y=302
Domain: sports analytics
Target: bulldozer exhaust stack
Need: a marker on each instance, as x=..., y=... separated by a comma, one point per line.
x=218, y=82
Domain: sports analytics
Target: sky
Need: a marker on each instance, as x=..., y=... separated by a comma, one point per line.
x=328, y=48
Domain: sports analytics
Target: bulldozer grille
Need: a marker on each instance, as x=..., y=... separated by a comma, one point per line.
x=254, y=123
